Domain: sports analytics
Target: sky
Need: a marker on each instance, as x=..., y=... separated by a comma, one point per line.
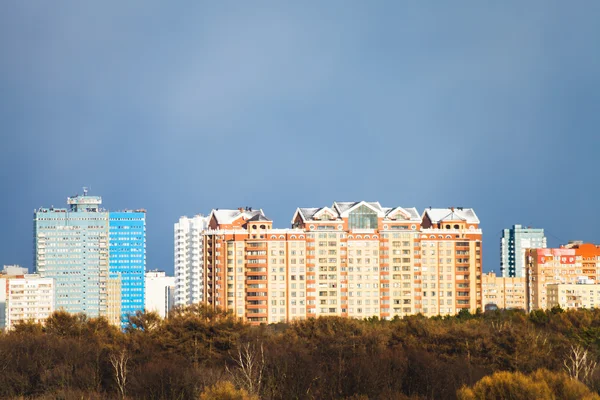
x=183, y=107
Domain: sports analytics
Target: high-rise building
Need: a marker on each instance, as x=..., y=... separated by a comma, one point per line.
x=25, y=298
x=355, y=259
x=451, y=257
x=160, y=291
x=570, y=264
x=513, y=243
x=127, y=249
x=71, y=246
x=189, y=255
x=95, y=257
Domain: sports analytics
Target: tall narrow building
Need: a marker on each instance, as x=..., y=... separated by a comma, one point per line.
x=189, y=256
x=451, y=261
x=72, y=246
x=127, y=249
x=513, y=243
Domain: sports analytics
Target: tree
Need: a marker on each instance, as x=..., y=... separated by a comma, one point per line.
x=578, y=365
x=542, y=384
x=250, y=367
x=119, y=362
x=225, y=390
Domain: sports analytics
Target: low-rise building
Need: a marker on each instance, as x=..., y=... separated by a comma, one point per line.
x=160, y=291
x=503, y=292
x=583, y=294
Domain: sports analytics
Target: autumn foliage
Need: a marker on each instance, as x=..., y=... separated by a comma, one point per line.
x=199, y=353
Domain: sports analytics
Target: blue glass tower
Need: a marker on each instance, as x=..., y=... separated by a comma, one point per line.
x=127, y=249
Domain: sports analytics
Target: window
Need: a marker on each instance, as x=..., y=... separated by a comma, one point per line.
x=363, y=218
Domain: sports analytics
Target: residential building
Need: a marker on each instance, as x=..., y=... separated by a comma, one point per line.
x=25, y=298
x=451, y=258
x=513, y=243
x=503, y=292
x=569, y=264
x=127, y=250
x=355, y=259
x=583, y=294
x=189, y=255
x=71, y=246
x=160, y=290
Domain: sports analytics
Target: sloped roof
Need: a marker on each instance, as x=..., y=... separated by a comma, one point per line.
x=226, y=217
x=307, y=213
x=343, y=206
x=449, y=214
x=413, y=214
x=259, y=217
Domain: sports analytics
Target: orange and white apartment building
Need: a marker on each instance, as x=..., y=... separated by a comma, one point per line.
x=570, y=264
x=354, y=259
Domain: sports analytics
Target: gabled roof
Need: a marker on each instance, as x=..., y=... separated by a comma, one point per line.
x=451, y=214
x=344, y=208
x=227, y=217
x=305, y=213
x=410, y=214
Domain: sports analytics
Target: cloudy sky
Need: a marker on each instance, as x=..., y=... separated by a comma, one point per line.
x=183, y=108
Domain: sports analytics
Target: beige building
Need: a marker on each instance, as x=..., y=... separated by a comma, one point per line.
x=113, y=291
x=25, y=298
x=355, y=259
x=504, y=292
x=584, y=294
x=547, y=267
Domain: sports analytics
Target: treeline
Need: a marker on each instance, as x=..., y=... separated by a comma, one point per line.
x=201, y=353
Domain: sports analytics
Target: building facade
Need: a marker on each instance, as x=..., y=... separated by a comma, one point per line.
x=573, y=296
x=189, y=256
x=504, y=292
x=25, y=298
x=127, y=250
x=513, y=243
x=569, y=264
x=95, y=257
x=71, y=247
x=355, y=259
x=160, y=292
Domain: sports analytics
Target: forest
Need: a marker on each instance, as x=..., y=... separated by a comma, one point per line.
x=199, y=353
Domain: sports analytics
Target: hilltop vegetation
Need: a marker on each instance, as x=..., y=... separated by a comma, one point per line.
x=200, y=353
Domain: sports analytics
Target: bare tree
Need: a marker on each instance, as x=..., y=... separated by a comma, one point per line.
x=119, y=362
x=250, y=366
x=578, y=365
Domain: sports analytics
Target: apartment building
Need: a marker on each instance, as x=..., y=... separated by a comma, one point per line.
x=583, y=294
x=569, y=264
x=504, y=292
x=25, y=298
x=189, y=259
x=160, y=290
x=513, y=243
x=355, y=259
x=451, y=256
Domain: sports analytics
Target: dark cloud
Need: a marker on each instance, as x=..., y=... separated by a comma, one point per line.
x=183, y=108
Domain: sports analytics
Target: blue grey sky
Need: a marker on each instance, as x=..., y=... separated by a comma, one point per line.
x=187, y=106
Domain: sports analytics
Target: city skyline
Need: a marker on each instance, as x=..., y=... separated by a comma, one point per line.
x=180, y=109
